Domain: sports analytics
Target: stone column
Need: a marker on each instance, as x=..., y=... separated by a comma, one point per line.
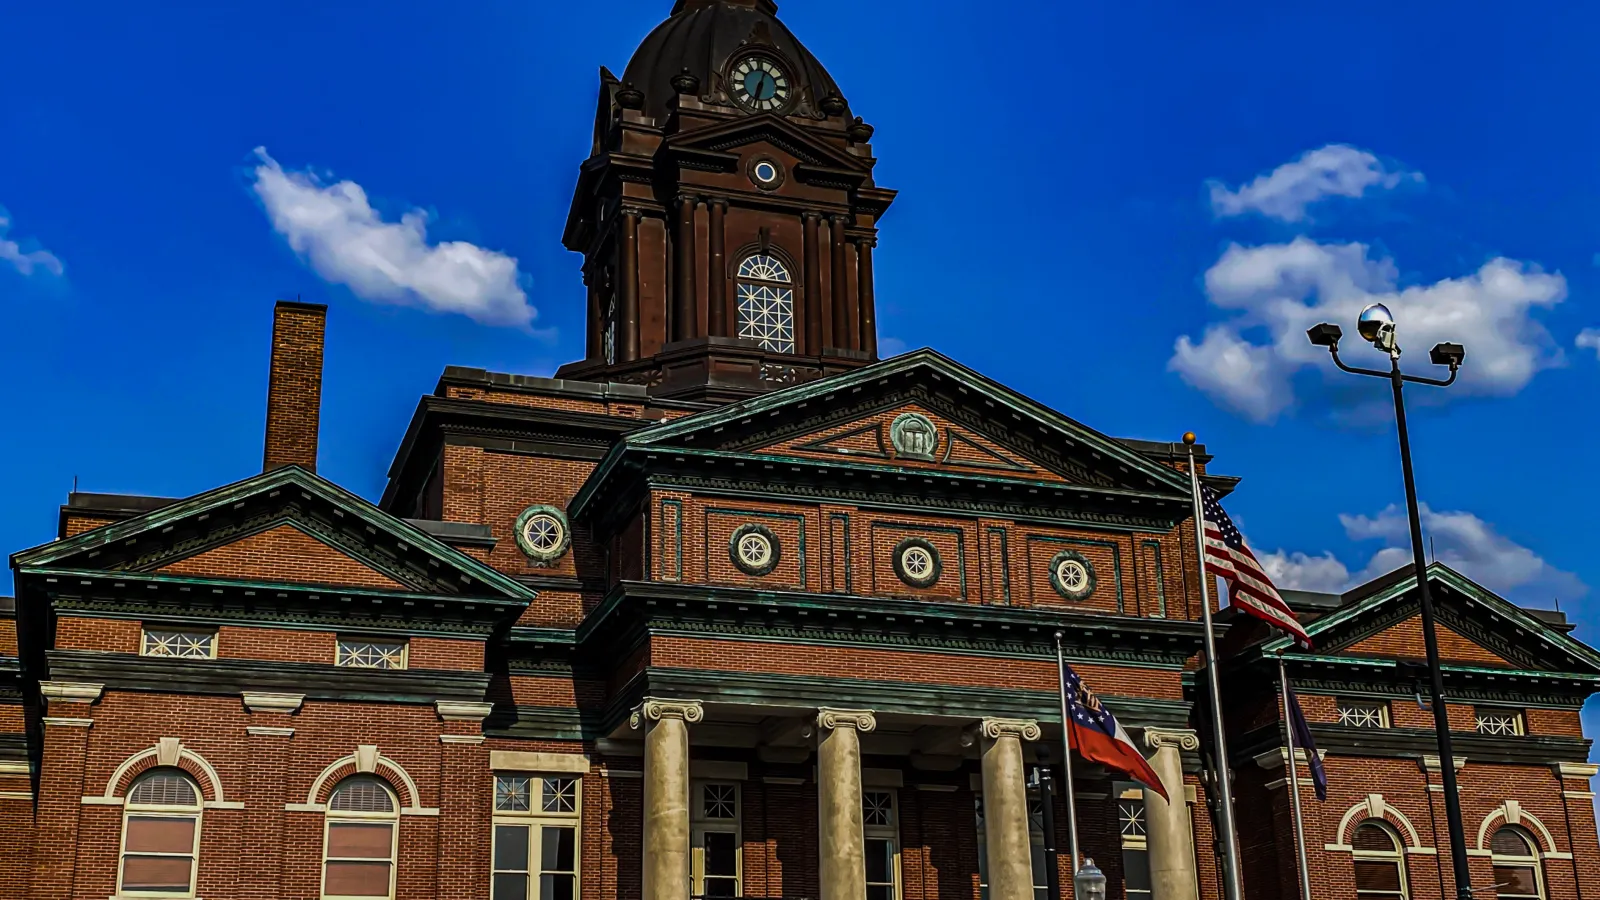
x=1005, y=808
x=869, y=323
x=840, y=289
x=1168, y=828
x=684, y=314
x=717, y=289
x=811, y=290
x=666, y=794
x=627, y=348
x=595, y=345
x=841, y=851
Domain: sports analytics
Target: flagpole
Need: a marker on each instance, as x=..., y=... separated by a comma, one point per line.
x=1294, y=783
x=1066, y=755
x=1224, y=781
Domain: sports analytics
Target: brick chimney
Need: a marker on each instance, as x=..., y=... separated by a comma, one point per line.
x=294, y=387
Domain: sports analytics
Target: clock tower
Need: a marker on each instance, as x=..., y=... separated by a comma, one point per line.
x=726, y=214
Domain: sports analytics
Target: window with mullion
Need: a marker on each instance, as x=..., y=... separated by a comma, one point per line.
x=715, y=840
x=160, y=836
x=535, y=849
x=881, y=826
x=1380, y=864
x=1499, y=722
x=1135, y=845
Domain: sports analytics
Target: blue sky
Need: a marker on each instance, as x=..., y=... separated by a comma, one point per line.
x=1128, y=211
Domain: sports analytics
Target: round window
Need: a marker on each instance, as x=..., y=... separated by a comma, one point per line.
x=753, y=549
x=766, y=173
x=1071, y=575
x=542, y=533
x=917, y=562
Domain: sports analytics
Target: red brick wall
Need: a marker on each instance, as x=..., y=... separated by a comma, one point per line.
x=1405, y=641
x=284, y=553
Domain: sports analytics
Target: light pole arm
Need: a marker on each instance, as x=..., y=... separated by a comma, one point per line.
x=1414, y=379
x=1334, y=349
x=1436, y=382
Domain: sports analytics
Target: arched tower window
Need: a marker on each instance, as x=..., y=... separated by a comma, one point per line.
x=359, y=857
x=1516, y=865
x=160, y=835
x=1380, y=862
x=766, y=303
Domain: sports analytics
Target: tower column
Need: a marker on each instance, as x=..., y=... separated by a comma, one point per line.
x=1170, y=836
x=1005, y=808
x=595, y=348
x=683, y=308
x=842, y=854
x=716, y=291
x=841, y=285
x=869, y=322
x=813, y=290
x=628, y=261
x=666, y=794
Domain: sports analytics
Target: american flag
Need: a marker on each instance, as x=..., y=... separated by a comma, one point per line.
x=1249, y=587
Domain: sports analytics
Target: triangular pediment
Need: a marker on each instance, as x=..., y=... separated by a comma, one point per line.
x=769, y=129
x=925, y=412
x=1475, y=627
x=285, y=526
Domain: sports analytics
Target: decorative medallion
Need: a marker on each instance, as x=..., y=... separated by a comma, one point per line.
x=1072, y=575
x=754, y=549
x=542, y=533
x=917, y=562
x=914, y=436
x=766, y=173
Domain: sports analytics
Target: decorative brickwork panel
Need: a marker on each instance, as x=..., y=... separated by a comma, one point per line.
x=794, y=532
x=1404, y=641
x=957, y=575
x=284, y=553
x=1108, y=557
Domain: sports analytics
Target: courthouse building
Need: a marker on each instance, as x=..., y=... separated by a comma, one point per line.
x=731, y=607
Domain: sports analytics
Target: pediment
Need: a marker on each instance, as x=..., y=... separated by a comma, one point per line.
x=1475, y=627
x=283, y=526
x=773, y=130
x=921, y=411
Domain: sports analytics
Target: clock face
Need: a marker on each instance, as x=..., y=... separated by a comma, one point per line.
x=759, y=84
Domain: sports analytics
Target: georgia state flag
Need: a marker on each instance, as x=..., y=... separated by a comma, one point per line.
x=1097, y=736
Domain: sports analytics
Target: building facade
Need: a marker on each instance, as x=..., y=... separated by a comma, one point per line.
x=731, y=607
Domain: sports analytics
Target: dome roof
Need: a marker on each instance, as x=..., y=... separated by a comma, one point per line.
x=702, y=36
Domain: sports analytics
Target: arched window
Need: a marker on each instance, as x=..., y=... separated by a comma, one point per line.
x=160, y=835
x=766, y=303
x=1516, y=865
x=360, y=848
x=1380, y=862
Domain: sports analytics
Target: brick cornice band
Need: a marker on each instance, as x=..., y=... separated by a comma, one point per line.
x=1023, y=729
x=862, y=720
x=654, y=709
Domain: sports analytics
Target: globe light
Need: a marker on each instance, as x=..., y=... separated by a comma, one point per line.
x=1090, y=882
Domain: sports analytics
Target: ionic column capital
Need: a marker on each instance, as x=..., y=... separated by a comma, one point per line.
x=1022, y=729
x=654, y=709
x=862, y=720
x=1176, y=738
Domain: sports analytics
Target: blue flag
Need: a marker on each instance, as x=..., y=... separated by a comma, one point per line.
x=1303, y=741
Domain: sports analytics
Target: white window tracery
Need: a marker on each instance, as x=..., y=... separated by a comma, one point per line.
x=766, y=303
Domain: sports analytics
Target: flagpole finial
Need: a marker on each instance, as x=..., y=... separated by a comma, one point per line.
x=1189, y=438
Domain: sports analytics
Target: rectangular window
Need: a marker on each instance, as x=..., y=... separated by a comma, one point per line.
x=180, y=643
x=1364, y=713
x=1135, y=849
x=1502, y=722
x=536, y=837
x=371, y=653
x=715, y=841
x=881, y=823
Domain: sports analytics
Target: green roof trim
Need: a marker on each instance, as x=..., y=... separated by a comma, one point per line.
x=287, y=477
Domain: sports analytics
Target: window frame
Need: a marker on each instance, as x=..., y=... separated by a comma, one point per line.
x=534, y=820
x=1397, y=856
x=700, y=826
x=163, y=811
x=782, y=287
x=1534, y=861
x=145, y=632
x=330, y=815
x=1137, y=842
x=1518, y=720
x=1381, y=707
x=889, y=832
x=341, y=655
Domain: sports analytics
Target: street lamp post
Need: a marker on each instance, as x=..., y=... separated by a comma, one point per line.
x=1377, y=326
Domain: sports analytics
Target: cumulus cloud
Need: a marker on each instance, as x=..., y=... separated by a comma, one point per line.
x=25, y=262
x=1337, y=170
x=335, y=229
x=1589, y=339
x=1279, y=290
x=1460, y=540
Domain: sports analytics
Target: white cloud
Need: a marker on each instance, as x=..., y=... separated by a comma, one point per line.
x=336, y=230
x=891, y=346
x=1460, y=540
x=1280, y=290
x=26, y=263
x=1589, y=339
x=1303, y=572
x=1337, y=170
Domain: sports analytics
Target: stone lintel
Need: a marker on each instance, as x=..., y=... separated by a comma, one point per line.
x=71, y=691
x=462, y=710
x=532, y=761
x=267, y=702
